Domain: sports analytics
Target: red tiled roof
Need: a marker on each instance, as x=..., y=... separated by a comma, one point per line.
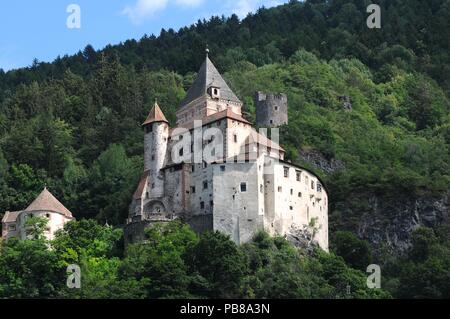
x=10, y=217
x=260, y=139
x=155, y=115
x=228, y=113
x=140, y=189
x=47, y=202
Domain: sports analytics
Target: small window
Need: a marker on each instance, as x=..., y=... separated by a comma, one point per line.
x=202, y=205
x=299, y=176
x=271, y=122
x=205, y=185
x=192, y=189
x=153, y=157
x=193, y=168
x=205, y=165
x=222, y=168
x=149, y=128
x=243, y=187
x=276, y=108
x=181, y=152
x=12, y=227
x=291, y=208
x=299, y=194
x=280, y=189
x=292, y=192
x=47, y=215
x=312, y=185
x=319, y=187
x=153, y=186
x=261, y=188
x=235, y=138
x=286, y=172
x=211, y=204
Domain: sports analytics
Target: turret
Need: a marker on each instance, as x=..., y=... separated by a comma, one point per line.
x=156, y=129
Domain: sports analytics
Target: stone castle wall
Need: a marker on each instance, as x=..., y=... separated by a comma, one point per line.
x=271, y=109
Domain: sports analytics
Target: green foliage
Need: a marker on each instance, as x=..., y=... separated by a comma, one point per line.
x=425, y=271
x=356, y=253
x=36, y=227
x=28, y=269
x=217, y=259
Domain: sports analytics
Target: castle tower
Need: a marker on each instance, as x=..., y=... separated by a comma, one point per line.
x=271, y=109
x=155, y=149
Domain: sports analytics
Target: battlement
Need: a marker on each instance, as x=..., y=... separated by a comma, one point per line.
x=271, y=109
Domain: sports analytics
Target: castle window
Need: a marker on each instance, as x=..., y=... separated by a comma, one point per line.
x=153, y=157
x=205, y=165
x=181, y=152
x=193, y=168
x=211, y=204
x=319, y=187
x=205, y=185
x=153, y=186
x=271, y=122
x=12, y=227
x=299, y=194
x=299, y=176
x=243, y=187
x=149, y=128
x=235, y=137
x=280, y=189
x=202, y=205
x=192, y=189
x=286, y=172
x=312, y=185
x=222, y=168
x=292, y=192
x=291, y=208
x=47, y=215
x=276, y=108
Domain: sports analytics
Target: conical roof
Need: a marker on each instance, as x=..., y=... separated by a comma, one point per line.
x=47, y=202
x=155, y=115
x=207, y=77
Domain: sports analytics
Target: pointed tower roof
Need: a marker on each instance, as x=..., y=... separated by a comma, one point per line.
x=47, y=202
x=156, y=115
x=207, y=77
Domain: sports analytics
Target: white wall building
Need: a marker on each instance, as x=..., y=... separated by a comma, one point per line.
x=46, y=206
x=246, y=187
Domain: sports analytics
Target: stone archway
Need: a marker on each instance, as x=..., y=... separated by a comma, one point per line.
x=154, y=209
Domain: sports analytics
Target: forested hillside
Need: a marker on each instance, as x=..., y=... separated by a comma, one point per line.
x=74, y=124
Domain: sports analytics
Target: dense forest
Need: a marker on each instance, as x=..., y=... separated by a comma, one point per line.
x=74, y=125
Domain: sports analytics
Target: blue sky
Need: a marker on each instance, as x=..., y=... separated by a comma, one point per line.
x=37, y=29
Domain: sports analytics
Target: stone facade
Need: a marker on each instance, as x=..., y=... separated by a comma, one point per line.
x=271, y=109
x=46, y=206
x=239, y=184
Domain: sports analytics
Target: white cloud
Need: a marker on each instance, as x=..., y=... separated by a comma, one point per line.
x=189, y=3
x=144, y=9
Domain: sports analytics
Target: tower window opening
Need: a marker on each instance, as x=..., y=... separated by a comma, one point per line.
x=243, y=187
x=286, y=172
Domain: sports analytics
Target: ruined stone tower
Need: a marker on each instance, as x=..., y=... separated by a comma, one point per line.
x=271, y=109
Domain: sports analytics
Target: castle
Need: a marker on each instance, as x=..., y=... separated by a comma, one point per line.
x=216, y=172
x=45, y=206
x=271, y=109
